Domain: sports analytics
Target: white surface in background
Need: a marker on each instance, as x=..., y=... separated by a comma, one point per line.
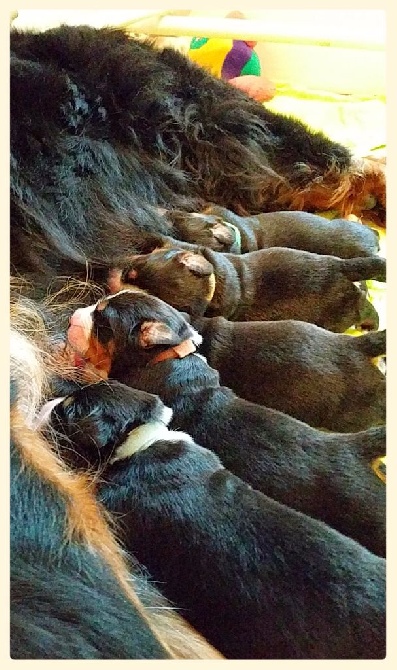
x=345, y=71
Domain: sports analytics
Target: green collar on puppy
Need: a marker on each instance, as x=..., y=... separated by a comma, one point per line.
x=236, y=246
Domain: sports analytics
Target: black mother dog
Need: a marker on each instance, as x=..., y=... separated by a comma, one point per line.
x=106, y=129
x=258, y=579
x=143, y=342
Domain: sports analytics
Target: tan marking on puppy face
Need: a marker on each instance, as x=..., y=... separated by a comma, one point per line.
x=100, y=356
x=82, y=339
x=211, y=287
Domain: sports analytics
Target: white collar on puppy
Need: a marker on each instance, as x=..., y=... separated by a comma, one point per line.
x=140, y=438
x=145, y=435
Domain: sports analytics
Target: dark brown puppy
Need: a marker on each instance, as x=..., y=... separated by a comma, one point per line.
x=257, y=578
x=297, y=230
x=325, y=379
x=267, y=285
x=143, y=342
x=200, y=230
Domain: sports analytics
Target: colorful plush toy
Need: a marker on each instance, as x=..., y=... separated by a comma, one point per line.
x=234, y=61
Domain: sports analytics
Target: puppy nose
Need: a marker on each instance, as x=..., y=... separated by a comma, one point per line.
x=369, y=324
x=369, y=317
x=75, y=319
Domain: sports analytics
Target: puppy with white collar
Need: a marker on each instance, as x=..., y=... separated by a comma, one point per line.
x=296, y=230
x=258, y=579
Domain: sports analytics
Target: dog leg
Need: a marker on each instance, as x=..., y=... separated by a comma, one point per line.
x=360, y=189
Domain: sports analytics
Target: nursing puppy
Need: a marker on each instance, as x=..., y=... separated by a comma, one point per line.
x=258, y=579
x=266, y=285
x=73, y=593
x=328, y=380
x=297, y=230
x=198, y=230
x=143, y=342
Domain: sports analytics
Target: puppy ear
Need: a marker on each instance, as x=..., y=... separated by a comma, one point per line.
x=196, y=263
x=223, y=233
x=156, y=332
x=132, y=274
x=84, y=441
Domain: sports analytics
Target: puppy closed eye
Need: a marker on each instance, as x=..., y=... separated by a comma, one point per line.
x=101, y=327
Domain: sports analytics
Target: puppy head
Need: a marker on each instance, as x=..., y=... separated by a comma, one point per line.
x=183, y=279
x=127, y=329
x=92, y=422
x=206, y=230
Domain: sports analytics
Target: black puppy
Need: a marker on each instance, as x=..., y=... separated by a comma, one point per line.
x=63, y=562
x=145, y=343
x=266, y=285
x=258, y=579
x=296, y=230
x=328, y=380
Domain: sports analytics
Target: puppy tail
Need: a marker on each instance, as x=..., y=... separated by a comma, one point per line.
x=370, y=267
x=372, y=344
x=371, y=442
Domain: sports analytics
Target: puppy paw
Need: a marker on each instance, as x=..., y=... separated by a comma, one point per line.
x=114, y=280
x=205, y=230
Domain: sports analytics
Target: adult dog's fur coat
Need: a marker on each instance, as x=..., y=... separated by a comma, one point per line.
x=106, y=129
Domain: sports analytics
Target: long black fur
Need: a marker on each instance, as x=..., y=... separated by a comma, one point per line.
x=105, y=129
x=259, y=579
